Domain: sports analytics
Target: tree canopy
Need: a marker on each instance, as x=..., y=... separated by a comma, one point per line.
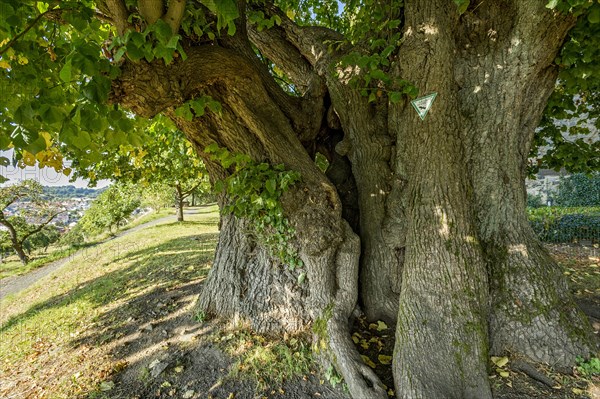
x=58, y=59
x=26, y=227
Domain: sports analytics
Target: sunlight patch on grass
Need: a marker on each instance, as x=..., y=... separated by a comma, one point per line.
x=54, y=335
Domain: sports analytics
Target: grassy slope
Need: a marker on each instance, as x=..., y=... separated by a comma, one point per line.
x=12, y=266
x=44, y=346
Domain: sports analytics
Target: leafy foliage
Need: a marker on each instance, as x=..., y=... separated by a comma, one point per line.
x=254, y=190
x=576, y=97
x=167, y=159
x=55, y=84
x=579, y=190
x=109, y=210
x=558, y=224
x=588, y=368
x=66, y=192
x=157, y=41
x=534, y=201
x=58, y=59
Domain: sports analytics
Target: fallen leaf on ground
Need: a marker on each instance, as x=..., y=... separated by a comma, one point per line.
x=368, y=361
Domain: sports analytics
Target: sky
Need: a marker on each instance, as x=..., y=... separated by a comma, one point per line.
x=45, y=176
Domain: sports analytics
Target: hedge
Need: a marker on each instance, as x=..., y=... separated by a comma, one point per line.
x=562, y=224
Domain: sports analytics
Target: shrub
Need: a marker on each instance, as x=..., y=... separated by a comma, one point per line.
x=534, y=201
x=560, y=224
x=579, y=190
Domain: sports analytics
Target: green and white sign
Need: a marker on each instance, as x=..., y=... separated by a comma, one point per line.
x=423, y=104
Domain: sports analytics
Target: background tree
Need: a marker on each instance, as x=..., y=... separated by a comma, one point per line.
x=110, y=209
x=157, y=196
x=166, y=158
x=419, y=221
x=25, y=229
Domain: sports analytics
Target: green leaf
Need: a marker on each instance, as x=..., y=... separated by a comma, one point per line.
x=82, y=140
x=271, y=186
x=226, y=11
x=162, y=30
x=134, y=52
x=172, y=43
x=120, y=54
x=65, y=72
x=395, y=97
x=462, y=6
x=184, y=112
x=552, y=4
x=594, y=15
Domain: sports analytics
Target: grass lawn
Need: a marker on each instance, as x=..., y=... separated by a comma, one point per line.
x=12, y=266
x=52, y=333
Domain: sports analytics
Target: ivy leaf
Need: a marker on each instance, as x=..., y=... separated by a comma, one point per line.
x=271, y=186
x=594, y=15
x=395, y=97
x=184, y=112
x=462, y=6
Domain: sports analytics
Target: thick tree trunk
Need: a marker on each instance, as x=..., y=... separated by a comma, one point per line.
x=533, y=312
x=247, y=284
x=369, y=148
x=443, y=310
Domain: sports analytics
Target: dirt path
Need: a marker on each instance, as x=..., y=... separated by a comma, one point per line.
x=13, y=285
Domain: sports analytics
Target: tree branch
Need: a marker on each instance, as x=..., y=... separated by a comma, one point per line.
x=28, y=28
x=41, y=226
x=174, y=14
x=119, y=14
x=188, y=192
x=151, y=10
x=311, y=41
x=273, y=43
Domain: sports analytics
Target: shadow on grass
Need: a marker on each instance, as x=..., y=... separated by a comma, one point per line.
x=152, y=269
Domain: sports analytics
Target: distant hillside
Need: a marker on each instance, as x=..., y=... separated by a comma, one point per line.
x=66, y=192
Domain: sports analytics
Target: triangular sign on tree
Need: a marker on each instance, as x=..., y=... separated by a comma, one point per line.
x=423, y=104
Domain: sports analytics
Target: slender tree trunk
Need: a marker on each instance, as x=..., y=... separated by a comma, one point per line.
x=14, y=239
x=20, y=252
x=179, y=200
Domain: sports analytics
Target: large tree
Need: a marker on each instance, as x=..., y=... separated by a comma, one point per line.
x=166, y=158
x=419, y=221
x=30, y=220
